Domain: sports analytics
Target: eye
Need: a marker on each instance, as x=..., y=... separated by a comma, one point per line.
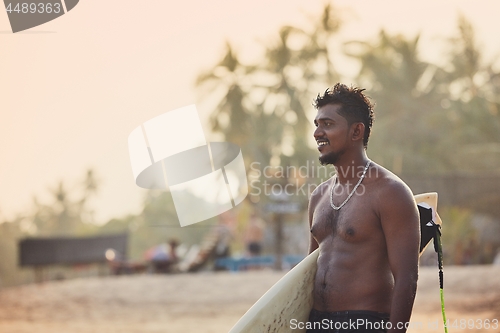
x=328, y=123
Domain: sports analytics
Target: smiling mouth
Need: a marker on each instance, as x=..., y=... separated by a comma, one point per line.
x=322, y=143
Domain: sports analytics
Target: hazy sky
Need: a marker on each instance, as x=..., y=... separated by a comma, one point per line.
x=72, y=90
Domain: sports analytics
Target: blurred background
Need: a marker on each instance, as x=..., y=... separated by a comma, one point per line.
x=74, y=88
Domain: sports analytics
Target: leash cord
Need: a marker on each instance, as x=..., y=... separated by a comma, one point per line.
x=439, y=249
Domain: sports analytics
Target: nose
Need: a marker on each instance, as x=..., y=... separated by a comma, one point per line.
x=318, y=132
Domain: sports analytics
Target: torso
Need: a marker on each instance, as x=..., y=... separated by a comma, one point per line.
x=353, y=270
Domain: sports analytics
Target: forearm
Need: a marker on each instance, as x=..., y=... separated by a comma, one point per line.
x=402, y=303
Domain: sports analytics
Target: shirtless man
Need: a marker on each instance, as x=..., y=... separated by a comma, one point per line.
x=368, y=260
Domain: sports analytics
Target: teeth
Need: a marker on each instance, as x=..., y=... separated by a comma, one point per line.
x=322, y=143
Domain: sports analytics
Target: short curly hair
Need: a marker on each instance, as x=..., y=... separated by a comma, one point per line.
x=355, y=106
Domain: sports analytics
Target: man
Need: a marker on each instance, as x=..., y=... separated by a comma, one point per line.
x=366, y=224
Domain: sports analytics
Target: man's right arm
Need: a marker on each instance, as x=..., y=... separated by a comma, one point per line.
x=315, y=196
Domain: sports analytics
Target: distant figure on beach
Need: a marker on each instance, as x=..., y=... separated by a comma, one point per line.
x=163, y=257
x=224, y=235
x=173, y=244
x=254, y=234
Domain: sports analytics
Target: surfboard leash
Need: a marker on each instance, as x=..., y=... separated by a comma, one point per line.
x=438, y=247
x=429, y=230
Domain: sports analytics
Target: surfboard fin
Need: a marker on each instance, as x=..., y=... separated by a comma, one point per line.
x=428, y=227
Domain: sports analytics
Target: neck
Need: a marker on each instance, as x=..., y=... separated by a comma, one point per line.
x=349, y=169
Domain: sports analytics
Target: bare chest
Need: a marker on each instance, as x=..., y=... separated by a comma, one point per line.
x=355, y=222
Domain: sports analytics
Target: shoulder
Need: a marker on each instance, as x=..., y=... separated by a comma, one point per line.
x=320, y=191
x=391, y=193
x=384, y=182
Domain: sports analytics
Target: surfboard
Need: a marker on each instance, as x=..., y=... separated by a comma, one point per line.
x=290, y=300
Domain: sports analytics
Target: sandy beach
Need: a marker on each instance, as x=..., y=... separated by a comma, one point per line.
x=213, y=302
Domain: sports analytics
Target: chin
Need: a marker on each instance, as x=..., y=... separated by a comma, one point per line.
x=330, y=158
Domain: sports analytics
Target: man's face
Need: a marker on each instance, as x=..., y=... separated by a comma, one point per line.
x=331, y=133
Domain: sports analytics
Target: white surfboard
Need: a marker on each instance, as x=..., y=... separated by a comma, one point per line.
x=292, y=296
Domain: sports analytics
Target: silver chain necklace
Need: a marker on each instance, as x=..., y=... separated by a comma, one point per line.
x=353, y=190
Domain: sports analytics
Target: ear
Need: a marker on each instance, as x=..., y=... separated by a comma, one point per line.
x=358, y=131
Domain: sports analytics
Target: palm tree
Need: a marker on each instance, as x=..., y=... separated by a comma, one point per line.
x=407, y=101
x=473, y=100
x=265, y=107
x=301, y=62
x=231, y=115
x=65, y=216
